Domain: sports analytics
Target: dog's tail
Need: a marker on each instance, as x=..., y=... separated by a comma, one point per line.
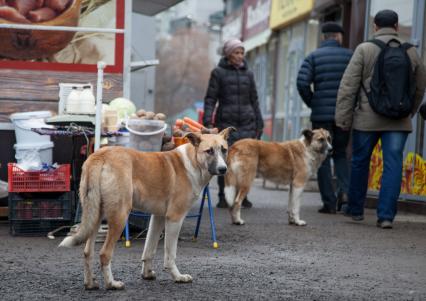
x=90, y=199
x=230, y=184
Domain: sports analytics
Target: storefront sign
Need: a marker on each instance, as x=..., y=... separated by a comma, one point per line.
x=256, y=17
x=284, y=12
x=69, y=50
x=233, y=26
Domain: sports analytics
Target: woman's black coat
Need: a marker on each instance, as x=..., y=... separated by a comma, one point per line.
x=235, y=92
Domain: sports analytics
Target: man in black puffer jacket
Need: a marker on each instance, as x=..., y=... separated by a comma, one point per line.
x=324, y=69
x=233, y=89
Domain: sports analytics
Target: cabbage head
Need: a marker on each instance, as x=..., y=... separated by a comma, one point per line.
x=124, y=107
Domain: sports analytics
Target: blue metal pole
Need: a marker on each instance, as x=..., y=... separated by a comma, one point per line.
x=200, y=213
x=212, y=224
x=126, y=233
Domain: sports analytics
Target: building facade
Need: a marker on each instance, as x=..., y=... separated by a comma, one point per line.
x=275, y=54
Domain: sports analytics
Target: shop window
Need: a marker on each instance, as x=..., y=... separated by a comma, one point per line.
x=404, y=9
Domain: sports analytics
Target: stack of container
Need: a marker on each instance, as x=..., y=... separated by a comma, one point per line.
x=27, y=140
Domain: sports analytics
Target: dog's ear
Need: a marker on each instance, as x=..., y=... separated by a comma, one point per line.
x=308, y=134
x=194, y=138
x=226, y=132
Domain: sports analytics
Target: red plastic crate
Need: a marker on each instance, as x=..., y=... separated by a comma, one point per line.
x=37, y=181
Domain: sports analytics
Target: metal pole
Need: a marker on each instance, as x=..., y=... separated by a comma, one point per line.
x=98, y=120
x=127, y=48
x=61, y=28
x=200, y=213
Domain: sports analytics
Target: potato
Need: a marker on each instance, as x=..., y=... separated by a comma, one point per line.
x=149, y=115
x=160, y=116
x=141, y=113
x=178, y=133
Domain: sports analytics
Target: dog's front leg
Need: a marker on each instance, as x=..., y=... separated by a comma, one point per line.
x=294, y=206
x=156, y=226
x=170, y=246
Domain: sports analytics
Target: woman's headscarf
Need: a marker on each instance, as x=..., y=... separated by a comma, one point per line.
x=230, y=46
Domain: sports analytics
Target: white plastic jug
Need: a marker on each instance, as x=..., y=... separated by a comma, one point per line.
x=73, y=101
x=87, y=101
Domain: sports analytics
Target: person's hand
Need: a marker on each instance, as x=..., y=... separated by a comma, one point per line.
x=345, y=128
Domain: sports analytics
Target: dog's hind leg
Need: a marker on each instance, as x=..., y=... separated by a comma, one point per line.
x=156, y=226
x=170, y=246
x=294, y=205
x=116, y=222
x=90, y=282
x=235, y=210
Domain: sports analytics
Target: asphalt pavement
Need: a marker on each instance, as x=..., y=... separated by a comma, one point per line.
x=332, y=258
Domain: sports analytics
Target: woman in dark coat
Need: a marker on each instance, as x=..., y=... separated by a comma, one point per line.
x=232, y=93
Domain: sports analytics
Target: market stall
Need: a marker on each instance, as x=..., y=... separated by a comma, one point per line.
x=48, y=50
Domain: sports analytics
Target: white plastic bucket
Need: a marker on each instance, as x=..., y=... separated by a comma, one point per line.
x=22, y=151
x=146, y=135
x=25, y=121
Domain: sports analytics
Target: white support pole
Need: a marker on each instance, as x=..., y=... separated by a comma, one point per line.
x=61, y=28
x=98, y=118
x=127, y=48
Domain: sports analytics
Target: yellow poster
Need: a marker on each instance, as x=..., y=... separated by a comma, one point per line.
x=284, y=12
x=413, y=172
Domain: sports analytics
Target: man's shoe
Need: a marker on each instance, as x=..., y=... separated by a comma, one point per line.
x=327, y=210
x=246, y=203
x=384, y=224
x=222, y=203
x=356, y=218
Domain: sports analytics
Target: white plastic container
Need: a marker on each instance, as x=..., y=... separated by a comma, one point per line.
x=25, y=151
x=87, y=101
x=25, y=121
x=81, y=100
x=73, y=101
x=146, y=135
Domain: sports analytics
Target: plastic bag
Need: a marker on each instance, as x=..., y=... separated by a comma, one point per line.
x=29, y=159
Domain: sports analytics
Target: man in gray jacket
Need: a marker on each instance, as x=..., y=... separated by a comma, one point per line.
x=354, y=111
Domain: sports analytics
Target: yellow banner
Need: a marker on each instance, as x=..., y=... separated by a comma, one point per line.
x=285, y=11
x=413, y=172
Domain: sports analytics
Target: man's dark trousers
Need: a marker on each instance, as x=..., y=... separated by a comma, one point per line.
x=340, y=141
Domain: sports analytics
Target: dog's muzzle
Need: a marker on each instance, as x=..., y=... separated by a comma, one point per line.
x=222, y=170
x=218, y=171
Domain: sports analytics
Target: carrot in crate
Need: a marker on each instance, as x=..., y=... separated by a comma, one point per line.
x=189, y=128
x=192, y=122
x=179, y=123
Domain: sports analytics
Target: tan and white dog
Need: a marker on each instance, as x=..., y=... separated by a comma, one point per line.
x=116, y=179
x=291, y=162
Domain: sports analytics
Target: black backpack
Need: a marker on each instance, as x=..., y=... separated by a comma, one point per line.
x=392, y=87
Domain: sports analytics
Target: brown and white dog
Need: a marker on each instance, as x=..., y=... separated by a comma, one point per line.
x=116, y=179
x=291, y=162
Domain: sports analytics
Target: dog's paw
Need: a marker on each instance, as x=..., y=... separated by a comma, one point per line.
x=115, y=285
x=300, y=223
x=150, y=275
x=297, y=223
x=183, y=278
x=239, y=222
x=94, y=285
